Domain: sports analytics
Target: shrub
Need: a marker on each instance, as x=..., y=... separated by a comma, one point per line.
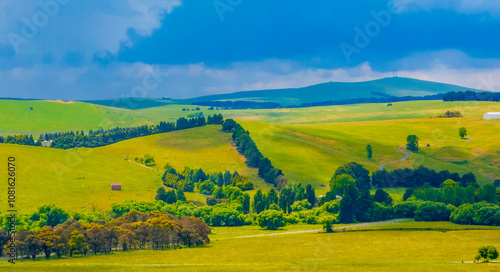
x=432, y=211
x=271, y=219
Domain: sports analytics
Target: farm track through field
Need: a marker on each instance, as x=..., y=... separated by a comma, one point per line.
x=406, y=157
x=338, y=229
x=143, y=165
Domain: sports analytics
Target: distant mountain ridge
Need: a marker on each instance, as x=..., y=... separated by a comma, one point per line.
x=335, y=91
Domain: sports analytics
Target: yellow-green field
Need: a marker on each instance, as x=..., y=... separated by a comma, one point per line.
x=80, y=178
x=59, y=116
x=301, y=251
x=307, y=143
x=310, y=153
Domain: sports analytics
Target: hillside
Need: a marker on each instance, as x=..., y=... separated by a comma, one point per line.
x=396, y=86
x=309, y=145
x=79, y=178
x=334, y=91
x=40, y=116
x=133, y=103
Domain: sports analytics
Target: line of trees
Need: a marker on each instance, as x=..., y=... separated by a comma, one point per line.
x=134, y=230
x=101, y=137
x=238, y=104
x=247, y=147
x=471, y=96
x=368, y=100
x=418, y=177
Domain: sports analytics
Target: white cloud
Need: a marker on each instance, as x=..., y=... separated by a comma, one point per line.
x=80, y=27
x=191, y=80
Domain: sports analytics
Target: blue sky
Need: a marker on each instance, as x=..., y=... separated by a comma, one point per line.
x=71, y=49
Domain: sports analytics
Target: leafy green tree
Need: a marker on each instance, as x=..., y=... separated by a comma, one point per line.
x=468, y=179
x=357, y=171
x=95, y=238
x=432, y=211
x=47, y=239
x=228, y=125
x=364, y=206
x=171, y=197
x=200, y=175
x=227, y=178
x=245, y=204
x=54, y=215
x=488, y=193
x=369, y=152
x=345, y=186
x=271, y=219
x=327, y=222
x=161, y=194
x=462, y=132
x=149, y=161
x=33, y=245
x=219, y=193
x=408, y=193
x=258, y=202
x=207, y=187
x=211, y=201
x=382, y=196
x=301, y=205
x=412, y=143
x=4, y=238
x=286, y=199
x=77, y=243
x=272, y=197
x=487, y=253
x=470, y=192
x=311, y=195
x=180, y=195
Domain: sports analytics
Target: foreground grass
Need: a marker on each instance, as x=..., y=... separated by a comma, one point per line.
x=350, y=251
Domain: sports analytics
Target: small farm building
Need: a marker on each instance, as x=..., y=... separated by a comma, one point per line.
x=116, y=186
x=492, y=115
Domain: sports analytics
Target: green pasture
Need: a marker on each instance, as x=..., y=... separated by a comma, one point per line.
x=80, y=178
x=310, y=153
x=311, y=251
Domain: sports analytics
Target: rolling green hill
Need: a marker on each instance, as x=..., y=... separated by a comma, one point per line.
x=310, y=153
x=80, y=178
x=132, y=103
x=334, y=91
x=308, y=143
x=396, y=86
x=40, y=116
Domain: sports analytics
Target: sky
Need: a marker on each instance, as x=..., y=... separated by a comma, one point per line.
x=77, y=50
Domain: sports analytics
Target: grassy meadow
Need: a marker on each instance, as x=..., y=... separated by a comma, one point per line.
x=60, y=116
x=307, y=143
x=311, y=153
x=300, y=251
x=80, y=178
x=75, y=179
